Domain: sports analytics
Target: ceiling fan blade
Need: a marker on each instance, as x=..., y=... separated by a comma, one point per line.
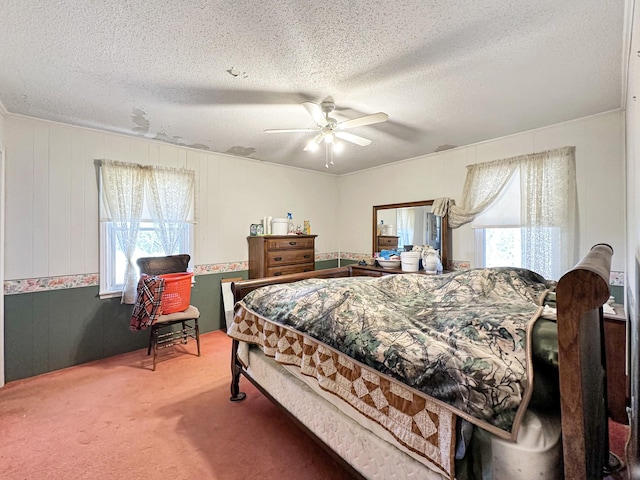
x=366, y=120
x=316, y=112
x=291, y=130
x=313, y=144
x=350, y=137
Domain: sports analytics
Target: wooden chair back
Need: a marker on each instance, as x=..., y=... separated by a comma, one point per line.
x=162, y=265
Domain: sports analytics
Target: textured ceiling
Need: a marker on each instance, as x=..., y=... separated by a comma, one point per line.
x=214, y=74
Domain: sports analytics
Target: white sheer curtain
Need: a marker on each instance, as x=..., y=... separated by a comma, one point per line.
x=406, y=225
x=548, y=203
x=549, y=212
x=123, y=200
x=132, y=194
x=171, y=194
x=483, y=184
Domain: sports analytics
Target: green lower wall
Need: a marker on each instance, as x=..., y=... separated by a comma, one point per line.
x=47, y=331
x=344, y=262
x=618, y=292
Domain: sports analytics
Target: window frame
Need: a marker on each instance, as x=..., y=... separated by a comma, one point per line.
x=108, y=246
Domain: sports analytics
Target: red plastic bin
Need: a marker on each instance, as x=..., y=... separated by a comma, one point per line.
x=177, y=292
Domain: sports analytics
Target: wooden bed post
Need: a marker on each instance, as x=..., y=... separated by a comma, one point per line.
x=236, y=370
x=581, y=292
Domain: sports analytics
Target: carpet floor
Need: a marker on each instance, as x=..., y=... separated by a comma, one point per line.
x=117, y=419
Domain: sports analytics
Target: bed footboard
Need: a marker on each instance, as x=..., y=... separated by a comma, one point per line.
x=581, y=292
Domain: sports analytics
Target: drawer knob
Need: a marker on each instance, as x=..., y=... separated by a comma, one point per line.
x=278, y=259
x=307, y=256
x=277, y=273
x=293, y=243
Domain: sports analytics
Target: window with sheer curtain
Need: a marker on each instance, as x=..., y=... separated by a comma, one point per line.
x=524, y=211
x=405, y=218
x=145, y=210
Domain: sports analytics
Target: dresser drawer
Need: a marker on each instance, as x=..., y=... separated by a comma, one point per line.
x=289, y=243
x=286, y=269
x=388, y=241
x=285, y=257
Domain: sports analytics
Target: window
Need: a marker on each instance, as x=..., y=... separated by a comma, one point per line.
x=498, y=229
x=523, y=211
x=499, y=247
x=144, y=211
x=112, y=273
x=505, y=247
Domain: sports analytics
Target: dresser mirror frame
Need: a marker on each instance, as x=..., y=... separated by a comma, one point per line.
x=444, y=227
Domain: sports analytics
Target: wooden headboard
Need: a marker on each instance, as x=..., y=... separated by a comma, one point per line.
x=240, y=289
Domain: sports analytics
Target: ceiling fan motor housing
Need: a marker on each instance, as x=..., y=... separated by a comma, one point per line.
x=328, y=107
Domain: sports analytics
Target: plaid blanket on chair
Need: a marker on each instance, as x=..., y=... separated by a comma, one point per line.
x=148, y=306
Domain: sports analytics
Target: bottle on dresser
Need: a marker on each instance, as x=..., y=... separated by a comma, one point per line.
x=292, y=228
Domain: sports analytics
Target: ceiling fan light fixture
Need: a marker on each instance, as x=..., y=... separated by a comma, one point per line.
x=330, y=130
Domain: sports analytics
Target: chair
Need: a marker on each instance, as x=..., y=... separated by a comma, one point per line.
x=161, y=339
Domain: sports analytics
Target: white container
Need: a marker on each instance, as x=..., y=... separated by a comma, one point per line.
x=387, y=230
x=431, y=262
x=279, y=226
x=410, y=261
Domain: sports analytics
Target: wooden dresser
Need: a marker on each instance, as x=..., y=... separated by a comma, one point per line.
x=273, y=255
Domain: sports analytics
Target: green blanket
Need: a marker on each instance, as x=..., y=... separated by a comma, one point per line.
x=462, y=338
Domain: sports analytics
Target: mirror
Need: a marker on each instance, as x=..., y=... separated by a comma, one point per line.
x=410, y=223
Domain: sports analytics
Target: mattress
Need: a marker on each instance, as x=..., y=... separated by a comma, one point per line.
x=374, y=457
x=377, y=455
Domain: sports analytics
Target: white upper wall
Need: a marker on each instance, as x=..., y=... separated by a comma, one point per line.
x=52, y=197
x=599, y=142
x=2, y=122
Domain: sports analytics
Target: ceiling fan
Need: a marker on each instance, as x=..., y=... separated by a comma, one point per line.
x=328, y=128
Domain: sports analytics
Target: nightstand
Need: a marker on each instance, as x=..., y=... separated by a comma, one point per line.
x=615, y=337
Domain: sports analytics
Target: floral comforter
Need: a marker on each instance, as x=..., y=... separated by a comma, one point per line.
x=461, y=338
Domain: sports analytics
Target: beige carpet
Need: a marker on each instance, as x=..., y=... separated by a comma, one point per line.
x=116, y=419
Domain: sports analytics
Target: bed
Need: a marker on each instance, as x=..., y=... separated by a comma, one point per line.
x=344, y=355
